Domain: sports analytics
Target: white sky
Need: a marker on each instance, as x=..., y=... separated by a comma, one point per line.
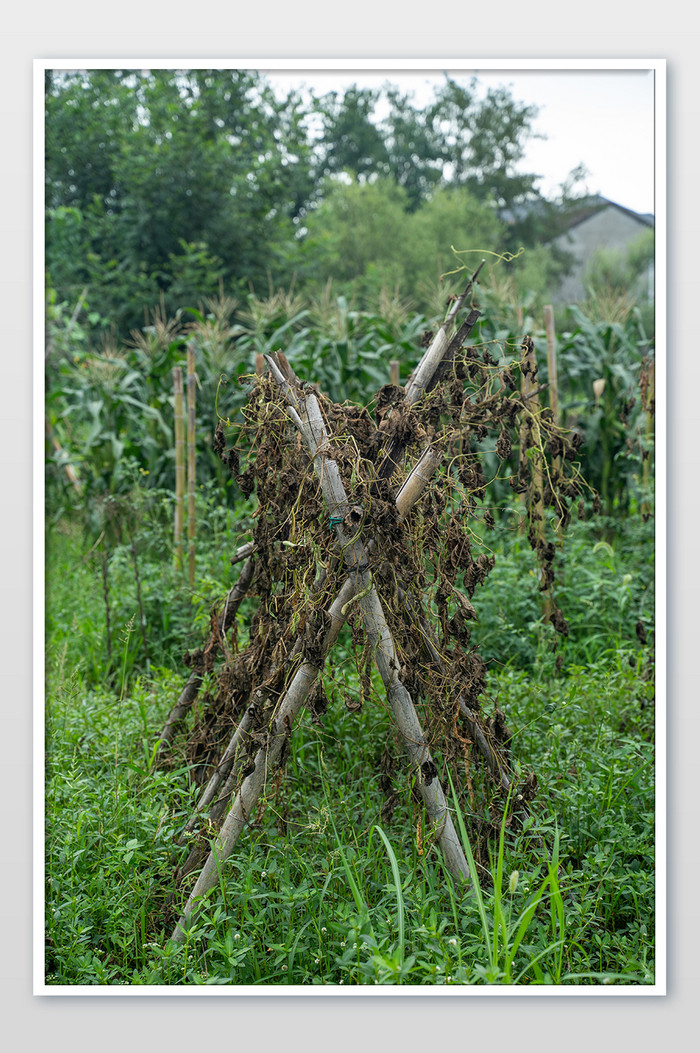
x=601, y=118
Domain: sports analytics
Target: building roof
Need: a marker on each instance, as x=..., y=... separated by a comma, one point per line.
x=594, y=204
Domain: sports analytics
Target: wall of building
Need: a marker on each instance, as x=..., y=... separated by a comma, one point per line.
x=610, y=228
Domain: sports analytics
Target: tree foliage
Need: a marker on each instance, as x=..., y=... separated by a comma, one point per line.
x=154, y=162
x=161, y=182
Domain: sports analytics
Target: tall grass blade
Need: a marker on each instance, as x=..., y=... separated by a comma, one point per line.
x=397, y=886
x=472, y=869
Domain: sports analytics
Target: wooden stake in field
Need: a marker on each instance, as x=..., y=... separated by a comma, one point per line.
x=179, y=527
x=648, y=389
x=553, y=381
x=532, y=441
x=552, y=361
x=191, y=463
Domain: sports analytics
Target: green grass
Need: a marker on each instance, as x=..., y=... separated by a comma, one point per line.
x=603, y=587
x=342, y=896
x=325, y=887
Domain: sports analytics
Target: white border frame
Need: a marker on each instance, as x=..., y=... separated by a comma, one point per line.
x=450, y=65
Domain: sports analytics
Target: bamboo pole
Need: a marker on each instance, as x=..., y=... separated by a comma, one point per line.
x=496, y=763
x=224, y=778
x=252, y=787
x=553, y=384
x=243, y=552
x=224, y=769
x=435, y=352
x=298, y=691
x=314, y=433
x=191, y=689
x=552, y=361
x=179, y=526
x=537, y=506
x=648, y=403
x=431, y=366
x=191, y=459
x=307, y=413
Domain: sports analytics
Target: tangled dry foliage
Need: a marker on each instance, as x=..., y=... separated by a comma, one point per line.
x=426, y=567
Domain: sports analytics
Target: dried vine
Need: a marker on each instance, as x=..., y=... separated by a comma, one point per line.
x=424, y=568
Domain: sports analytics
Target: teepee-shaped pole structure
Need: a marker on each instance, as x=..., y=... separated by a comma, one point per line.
x=279, y=672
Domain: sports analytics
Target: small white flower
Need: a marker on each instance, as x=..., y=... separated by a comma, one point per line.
x=323, y=928
x=237, y=936
x=342, y=944
x=317, y=960
x=284, y=968
x=263, y=874
x=453, y=942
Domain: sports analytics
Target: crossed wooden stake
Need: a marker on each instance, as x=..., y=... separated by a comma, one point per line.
x=358, y=589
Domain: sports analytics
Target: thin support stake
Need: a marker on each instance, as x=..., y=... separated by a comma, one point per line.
x=179, y=524
x=191, y=460
x=552, y=361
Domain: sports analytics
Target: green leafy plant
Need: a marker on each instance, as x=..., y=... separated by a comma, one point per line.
x=600, y=364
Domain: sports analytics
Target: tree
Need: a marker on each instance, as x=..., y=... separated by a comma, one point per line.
x=365, y=234
x=351, y=141
x=154, y=160
x=88, y=114
x=452, y=217
x=357, y=231
x=414, y=152
x=459, y=139
x=160, y=183
x=482, y=141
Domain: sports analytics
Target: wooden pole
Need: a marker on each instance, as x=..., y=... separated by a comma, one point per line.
x=553, y=385
x=648, y=402
x=537, y=530
x=305, y=411
x=179, y=527
x=355, y=589
x=191, y=689
x=552, y=361
x=225, y=777
x=191, y=460
x=265, y=762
